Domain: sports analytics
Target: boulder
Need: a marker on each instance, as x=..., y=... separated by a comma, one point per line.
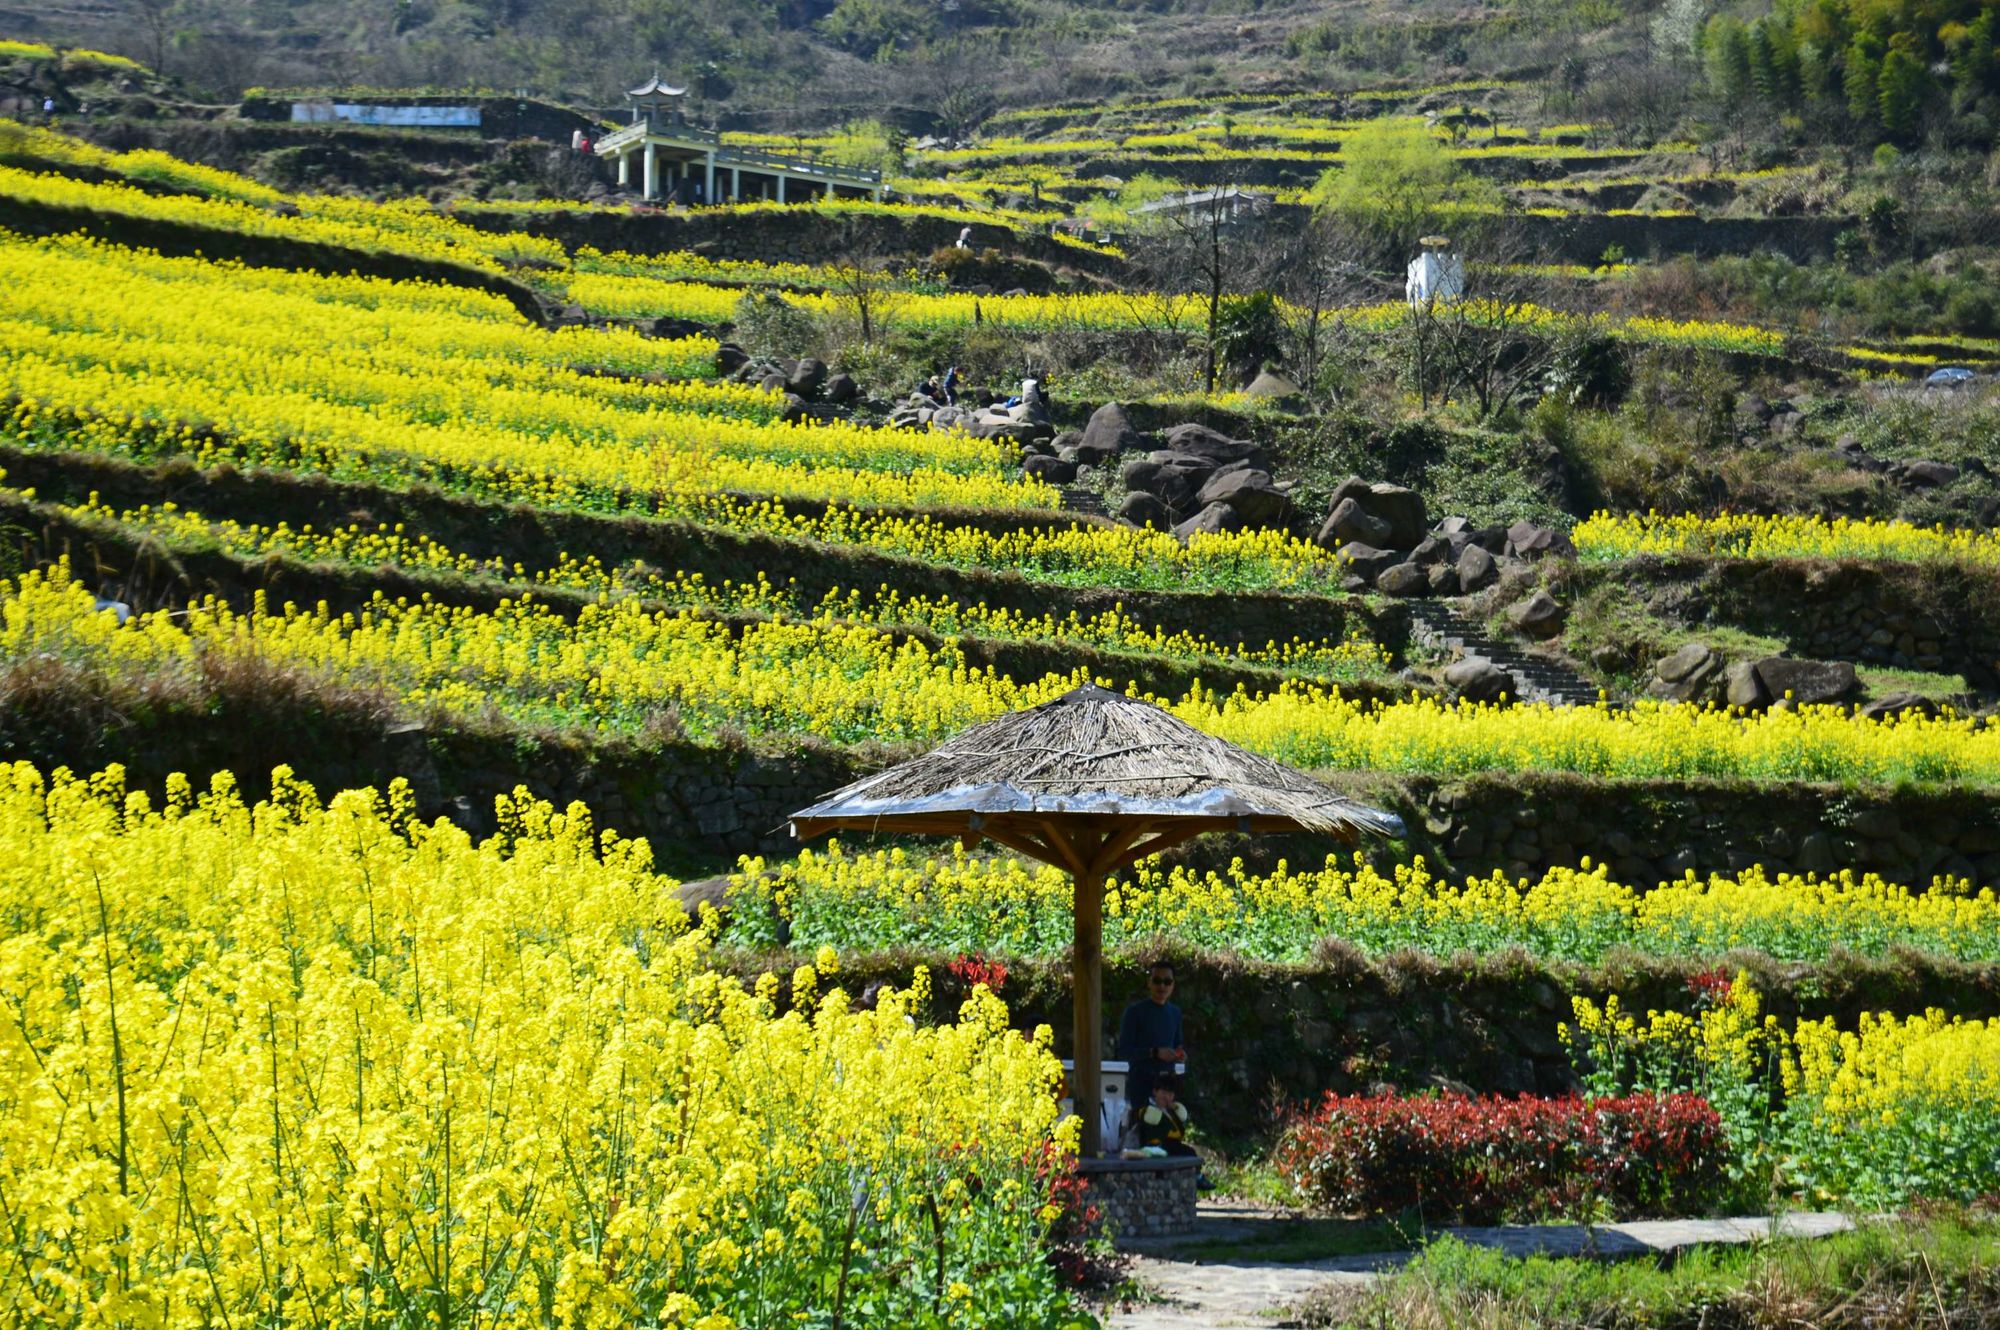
x=1684, y=663
x=1108, y=434
x=1215, y=518
x=1365, y=561
x=1539, y=616
x=712, y=892
x=774, y=383
x=1807, y=681
x=1200, y=441
x=1742, y=688
x=1142, y=509
x=1433, y=550
x=1478, y=679
x=1922, y=475
x=729, y=358
x=840, y=389
x=1403, y=509
x=1452, y=526
x=1690, y=674
x=1476, y=570
x=1251, y=494
x=1897, y=704
x=1272, y=388
x=1171, y=477
x=1525, y=540
x=795, y=409
x=1350, y=521
x=944, y=418
x=1492, y=539
x=1051, y=469
x=1443, y=579
x=1403, y=579
x=807, y=377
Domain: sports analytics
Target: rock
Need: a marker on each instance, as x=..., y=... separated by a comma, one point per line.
x=1403, y=579
x=1923, y=475
x=1432, y=550
x=1752, y=409
x=1896, y=704
x=1215, y=518
x=1742, y=688
x=1452, y=526
x=729, y=358
x=1173, y=477
x=1200, y=441
x=1142, y=509
x=1478, y=679
x=1684, y=663
x=1251, y=494
x=1525, y=540
x=1053, y=470
x=1807, y=681
x=1816, y=854
x=840, y=389
x=1492, y=539
x=1272, y=388
x=1476, y=570
x=944, y=418
x=1443, y=579
x=1365, y=561
x=1109, y=433
x=795, y=410
x=1350, y=521
x=773, y=383
x=1539, y=616
x=808, y=377
x=1351, y=488
x=712, y=892
x=1403, y=509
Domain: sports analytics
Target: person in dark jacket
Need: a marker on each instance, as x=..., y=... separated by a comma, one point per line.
x=1149, y=1036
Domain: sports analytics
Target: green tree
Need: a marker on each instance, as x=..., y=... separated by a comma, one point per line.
x=1900, y=92
x=1859, y=80
x=1726, y=58
x=1396, y=181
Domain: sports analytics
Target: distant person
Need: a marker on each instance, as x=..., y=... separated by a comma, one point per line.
x=1149, y=1035
x=48, y=108
x=951, y=386
x=965, y=239
x=1163, y=1123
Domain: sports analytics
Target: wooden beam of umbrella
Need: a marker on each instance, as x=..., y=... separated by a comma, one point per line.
x=1090, y=783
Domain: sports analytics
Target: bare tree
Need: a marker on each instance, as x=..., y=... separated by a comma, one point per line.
x=1499, y=337
x=1207, y=242
x=1322, y=273
x=861, y=279
x=953, y=80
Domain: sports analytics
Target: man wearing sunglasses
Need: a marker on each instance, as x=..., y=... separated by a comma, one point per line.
x=1149, y=1036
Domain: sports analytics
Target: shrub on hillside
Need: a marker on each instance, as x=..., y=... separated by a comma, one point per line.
x=1493, y=1159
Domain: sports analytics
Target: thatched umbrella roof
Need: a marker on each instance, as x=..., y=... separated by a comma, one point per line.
x=1091, y=753
x=1090, y=782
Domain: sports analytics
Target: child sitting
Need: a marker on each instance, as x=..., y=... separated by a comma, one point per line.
x=1163, y=1123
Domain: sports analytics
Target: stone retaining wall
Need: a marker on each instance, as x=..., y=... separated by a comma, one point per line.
x=1940, y=617
x=1142, y=1198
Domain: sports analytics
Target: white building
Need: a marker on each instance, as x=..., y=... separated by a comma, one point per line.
x=1435, y=275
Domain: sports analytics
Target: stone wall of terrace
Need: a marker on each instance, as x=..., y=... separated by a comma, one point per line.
x=798, y=235
x=1939, y=617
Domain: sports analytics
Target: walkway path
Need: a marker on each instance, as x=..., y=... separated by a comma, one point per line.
x=1213, y=1294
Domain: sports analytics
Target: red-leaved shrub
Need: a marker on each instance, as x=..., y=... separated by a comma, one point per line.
x=1489, y=1160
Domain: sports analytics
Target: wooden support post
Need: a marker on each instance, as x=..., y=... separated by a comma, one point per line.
x=1087, y=991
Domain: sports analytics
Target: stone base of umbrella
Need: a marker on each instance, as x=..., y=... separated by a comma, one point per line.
x=1090, y=782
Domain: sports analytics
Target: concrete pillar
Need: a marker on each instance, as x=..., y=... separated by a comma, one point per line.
x=652, y=173
x=708, y=179
x=624, y=170
x=781, y=186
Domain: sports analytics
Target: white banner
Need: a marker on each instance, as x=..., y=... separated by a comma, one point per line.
x=427, y=117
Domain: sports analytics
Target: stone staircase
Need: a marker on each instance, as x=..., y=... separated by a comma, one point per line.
x=1435, y=624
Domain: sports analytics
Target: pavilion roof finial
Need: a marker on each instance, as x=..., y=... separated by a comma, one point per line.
x=655, y=89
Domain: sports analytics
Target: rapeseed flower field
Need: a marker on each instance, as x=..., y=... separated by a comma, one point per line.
x=307, y=1062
